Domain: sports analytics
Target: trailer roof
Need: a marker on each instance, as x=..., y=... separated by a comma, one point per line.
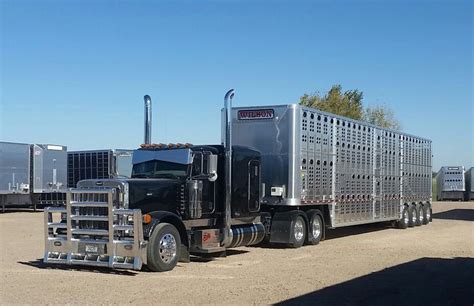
x=332, y=115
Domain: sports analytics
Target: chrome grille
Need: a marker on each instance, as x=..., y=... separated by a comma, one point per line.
x=96, y=231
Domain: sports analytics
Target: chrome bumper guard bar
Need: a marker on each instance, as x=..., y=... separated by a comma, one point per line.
x=96, y=231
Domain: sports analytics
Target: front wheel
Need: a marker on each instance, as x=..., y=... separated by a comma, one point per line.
x=163, y=248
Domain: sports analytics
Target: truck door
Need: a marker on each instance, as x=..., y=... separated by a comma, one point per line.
x=208, y=188
x=253, y=194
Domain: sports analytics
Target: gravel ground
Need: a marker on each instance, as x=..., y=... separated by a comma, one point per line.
x=362, y=265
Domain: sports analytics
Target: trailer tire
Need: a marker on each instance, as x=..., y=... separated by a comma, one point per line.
x=429, y=212
x=315, y=227
x=298, y=232
x=419, y=214
x=426, y=214
x=404, y=221
x=412, y=215
x=163, y=250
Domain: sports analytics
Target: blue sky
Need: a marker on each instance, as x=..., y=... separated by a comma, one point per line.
x=75, y=72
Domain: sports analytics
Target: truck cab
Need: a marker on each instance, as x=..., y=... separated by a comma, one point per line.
x=172, y=206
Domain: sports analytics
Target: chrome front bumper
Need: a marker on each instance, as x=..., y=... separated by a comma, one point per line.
x=96, y=232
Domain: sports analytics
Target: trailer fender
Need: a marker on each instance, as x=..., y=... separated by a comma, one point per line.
x=282, y=224
x=173, y=219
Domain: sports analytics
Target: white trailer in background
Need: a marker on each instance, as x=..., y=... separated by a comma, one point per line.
x=450, y=183
x=32, y=174
x=469, y=177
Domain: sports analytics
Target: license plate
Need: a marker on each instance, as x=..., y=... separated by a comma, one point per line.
x=91, y=248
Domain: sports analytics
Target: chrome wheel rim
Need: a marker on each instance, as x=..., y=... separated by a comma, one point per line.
x=405, y=217
x=316, y=228
x=167, y=248
x=428, y=214
x=422, y=216
x=299, y=230
x=413, y=217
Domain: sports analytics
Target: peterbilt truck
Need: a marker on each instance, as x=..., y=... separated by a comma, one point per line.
x=283, y=174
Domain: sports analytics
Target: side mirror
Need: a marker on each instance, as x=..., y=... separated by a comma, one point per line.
x=212, y=167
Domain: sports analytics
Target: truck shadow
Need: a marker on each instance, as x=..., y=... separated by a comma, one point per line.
x=456, y=214
x=207, y=258
x=38, y=263
x=425, y=281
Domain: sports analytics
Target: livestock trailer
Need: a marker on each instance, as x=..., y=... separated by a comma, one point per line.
x=358, y=172
x=451, y=184
x=32, y=174
x=283, y=173
x=98, y=164
x=469, y=178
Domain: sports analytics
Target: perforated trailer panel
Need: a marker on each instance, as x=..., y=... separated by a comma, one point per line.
x=365, y=173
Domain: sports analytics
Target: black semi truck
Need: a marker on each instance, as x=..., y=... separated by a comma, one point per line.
x=283, y=173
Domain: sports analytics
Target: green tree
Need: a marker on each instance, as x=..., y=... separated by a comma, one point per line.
x=381, y=115
x=350, y=104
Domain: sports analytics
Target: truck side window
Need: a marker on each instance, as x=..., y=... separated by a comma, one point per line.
x=197, y=164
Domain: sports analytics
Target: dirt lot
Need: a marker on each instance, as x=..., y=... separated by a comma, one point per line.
x=371, y=264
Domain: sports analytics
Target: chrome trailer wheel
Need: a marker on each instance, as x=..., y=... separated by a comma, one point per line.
x=315, y=228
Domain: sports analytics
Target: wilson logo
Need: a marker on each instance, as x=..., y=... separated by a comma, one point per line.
x=255, y=114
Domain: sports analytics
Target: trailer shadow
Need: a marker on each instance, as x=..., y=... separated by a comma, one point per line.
x=337, y=233
x=456, y=214
x=425, y=281
x=357, y=230
x=38, y=263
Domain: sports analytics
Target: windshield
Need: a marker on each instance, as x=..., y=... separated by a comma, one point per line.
x=160, y=169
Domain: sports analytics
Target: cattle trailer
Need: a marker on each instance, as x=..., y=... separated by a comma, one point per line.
x=451, y=184
x=282, y=174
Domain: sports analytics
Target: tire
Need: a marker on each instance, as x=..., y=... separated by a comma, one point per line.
x=429, y=212
x=163, y=249
x=404, y=221
x=298, y=232
x=315, y=228
x=413, y=218
x=425, y=210
x=420, y=213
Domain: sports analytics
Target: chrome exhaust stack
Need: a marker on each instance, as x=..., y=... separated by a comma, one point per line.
x=227, y=142
x=147, y=119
